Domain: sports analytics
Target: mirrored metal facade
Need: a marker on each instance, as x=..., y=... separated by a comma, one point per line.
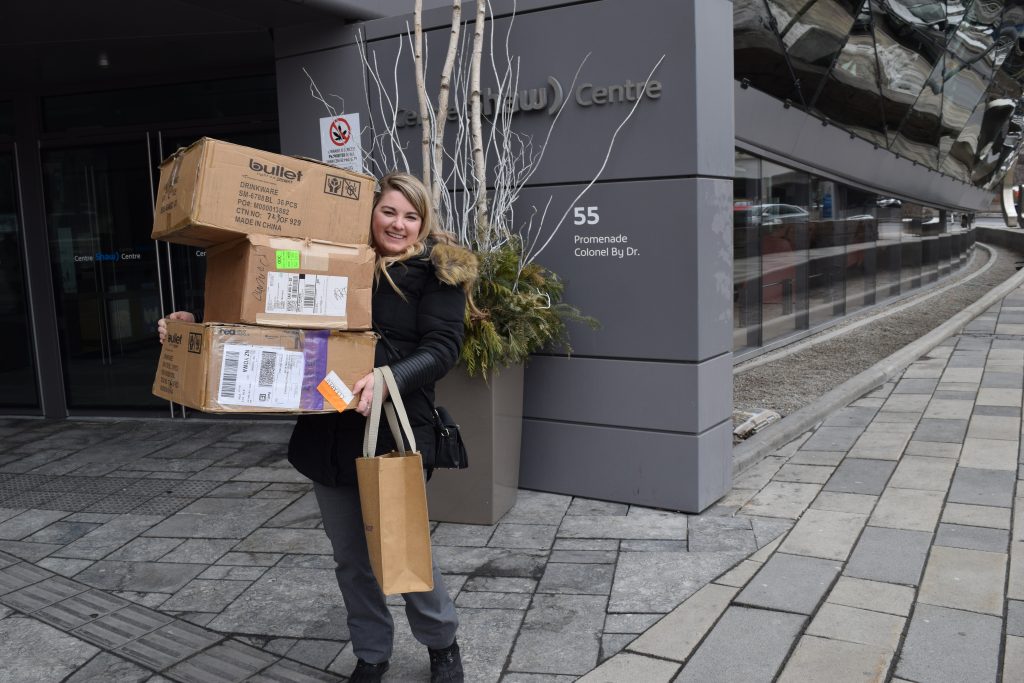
x=939, y=82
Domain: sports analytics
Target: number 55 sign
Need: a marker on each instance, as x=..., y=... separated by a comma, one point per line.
x=585, y=215
x=339, y=142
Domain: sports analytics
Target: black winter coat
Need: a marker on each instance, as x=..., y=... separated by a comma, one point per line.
x=426, y=328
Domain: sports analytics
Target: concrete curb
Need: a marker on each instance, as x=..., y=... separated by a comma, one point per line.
x=790, y=427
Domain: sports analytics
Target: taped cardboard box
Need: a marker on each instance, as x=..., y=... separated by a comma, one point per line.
x=213, y=192
x=288, y=282
x=221, y=368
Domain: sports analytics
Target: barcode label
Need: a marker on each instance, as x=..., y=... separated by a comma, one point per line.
x=262, y=376
x=292, y=301
x=268, y=364
x=309, y=296
x=229, y=377
x=305, y=294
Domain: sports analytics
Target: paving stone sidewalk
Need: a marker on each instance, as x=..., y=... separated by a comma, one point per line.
x=887, y=544
x=161, y=550
x=906, y=560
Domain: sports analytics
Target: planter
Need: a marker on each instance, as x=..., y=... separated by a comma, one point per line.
x=490, y=417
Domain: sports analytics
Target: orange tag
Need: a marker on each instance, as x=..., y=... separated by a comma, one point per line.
x=335, y=391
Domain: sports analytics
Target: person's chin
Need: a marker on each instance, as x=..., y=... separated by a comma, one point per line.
x=394, y=248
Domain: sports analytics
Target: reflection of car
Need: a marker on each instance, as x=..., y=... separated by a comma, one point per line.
x=769, y=214
x=889, y=201
x=772, y=214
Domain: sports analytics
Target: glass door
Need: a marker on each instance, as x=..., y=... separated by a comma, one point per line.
x=18, y=386
x=99, y=208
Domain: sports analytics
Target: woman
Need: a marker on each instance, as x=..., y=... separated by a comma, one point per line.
x=419, y=303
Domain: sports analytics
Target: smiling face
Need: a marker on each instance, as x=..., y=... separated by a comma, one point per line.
x=395, y=225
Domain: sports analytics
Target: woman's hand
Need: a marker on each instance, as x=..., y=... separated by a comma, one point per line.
x=161, y=326
x=363, y=391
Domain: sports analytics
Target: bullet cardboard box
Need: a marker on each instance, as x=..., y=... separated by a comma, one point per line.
x=288, y=282
x=213, y=191
x=220, y=368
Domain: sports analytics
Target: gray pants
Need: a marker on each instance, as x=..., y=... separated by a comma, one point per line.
x=431, y=615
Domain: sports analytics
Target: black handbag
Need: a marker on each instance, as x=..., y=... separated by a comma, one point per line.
x=449, y=449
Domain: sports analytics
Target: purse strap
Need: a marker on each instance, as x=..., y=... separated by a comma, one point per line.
x=393, y=355
x=394, y=410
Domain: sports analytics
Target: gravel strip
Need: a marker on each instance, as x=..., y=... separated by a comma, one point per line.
x=790, y=383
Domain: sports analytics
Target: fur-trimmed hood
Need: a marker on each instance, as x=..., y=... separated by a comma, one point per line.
x=454, y=264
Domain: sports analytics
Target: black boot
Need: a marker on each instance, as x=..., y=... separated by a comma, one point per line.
x=368, y=673
x=446, y=664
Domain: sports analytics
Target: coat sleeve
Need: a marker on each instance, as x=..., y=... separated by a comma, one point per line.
x=440, y=322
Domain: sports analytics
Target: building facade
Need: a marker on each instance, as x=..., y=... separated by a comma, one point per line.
x=788, y=163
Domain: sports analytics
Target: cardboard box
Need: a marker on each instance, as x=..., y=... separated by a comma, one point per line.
x=214, y=191
x=288, y=282
x=245, y=369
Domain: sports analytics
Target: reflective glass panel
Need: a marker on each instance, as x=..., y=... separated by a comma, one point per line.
x=850, y=94
x=933, y=225
x=813, y=34
x=992, y=146
x=973, y=44
x=1011, y=147
x=956, y=11
x=927, y=18
x=959, y=161
x=859, y=232
x=918, y=135
x=888, y=212
x=945, y=247
x=963, y=90
x=17, y=370
x=783, y=220
x=912, y=217
x=903, y=71
x=746, y=244
x=757, y=52
x=826, y=296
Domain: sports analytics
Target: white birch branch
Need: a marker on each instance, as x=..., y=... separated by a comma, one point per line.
x=314, y=91
x=421, y=88
x=476, y=126
x=441, y=115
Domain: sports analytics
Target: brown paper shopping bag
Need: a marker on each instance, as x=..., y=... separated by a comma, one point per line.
x=393, y=497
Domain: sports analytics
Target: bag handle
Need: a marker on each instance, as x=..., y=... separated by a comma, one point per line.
x=397, y=407
x=398, y=419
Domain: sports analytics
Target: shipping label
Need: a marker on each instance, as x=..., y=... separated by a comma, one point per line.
x=335, y=391
x=287, y=259
x=261, y=376
x=306, y=294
